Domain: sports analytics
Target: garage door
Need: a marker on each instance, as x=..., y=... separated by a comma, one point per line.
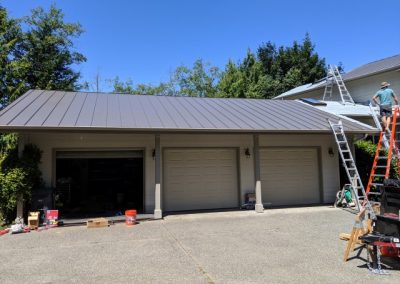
x=200, y=179
x=289, y=176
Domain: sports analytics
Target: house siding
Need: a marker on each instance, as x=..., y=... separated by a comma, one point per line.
x=361, y=89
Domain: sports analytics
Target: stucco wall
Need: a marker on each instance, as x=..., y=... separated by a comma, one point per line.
x=49, y=142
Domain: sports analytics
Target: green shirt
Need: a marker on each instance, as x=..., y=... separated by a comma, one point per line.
x=385, y=96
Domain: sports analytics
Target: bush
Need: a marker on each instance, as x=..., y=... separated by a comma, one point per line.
x=18, y=176
x=365, y=154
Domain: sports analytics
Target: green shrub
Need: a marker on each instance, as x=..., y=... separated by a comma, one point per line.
x=365, y=154
x=18, y=176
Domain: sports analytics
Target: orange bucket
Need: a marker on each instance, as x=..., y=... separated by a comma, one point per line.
x=130, y=217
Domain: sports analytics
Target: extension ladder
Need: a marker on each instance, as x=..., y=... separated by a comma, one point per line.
x=387, y=144
x=334, y=76
x=351, y=169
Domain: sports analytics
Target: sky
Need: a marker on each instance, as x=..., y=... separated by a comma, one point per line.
x=146, y=40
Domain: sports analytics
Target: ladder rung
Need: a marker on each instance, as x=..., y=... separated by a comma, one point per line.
x=374, y=193
x=378, y=175
x=380, y=167
x=381, y=158
x=376, y=184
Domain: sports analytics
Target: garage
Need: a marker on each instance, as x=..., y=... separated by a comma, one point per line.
x=197, y=179
x=98, y=183
x=290, y=176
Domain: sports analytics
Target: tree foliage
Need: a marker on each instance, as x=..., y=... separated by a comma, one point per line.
x=19, y=176
x=198, y=81
x=243, y=80
x=10, y=41
x=40, y=56
x=289, y=67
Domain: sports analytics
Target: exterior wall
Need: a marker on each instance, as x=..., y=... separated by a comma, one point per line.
x=49, y=142
x=362, y=90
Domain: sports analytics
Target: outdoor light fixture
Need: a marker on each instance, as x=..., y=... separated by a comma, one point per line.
x=330, y=152
x=153, y=154
x=247, y=152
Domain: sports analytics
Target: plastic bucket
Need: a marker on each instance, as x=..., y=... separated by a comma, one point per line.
x=130, y=217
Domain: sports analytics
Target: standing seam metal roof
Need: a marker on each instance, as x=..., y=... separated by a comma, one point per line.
x=57, y=110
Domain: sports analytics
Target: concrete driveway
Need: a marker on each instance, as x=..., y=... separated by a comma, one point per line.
x=298, y=245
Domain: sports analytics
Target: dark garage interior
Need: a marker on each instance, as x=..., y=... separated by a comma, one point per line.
x=92, y=185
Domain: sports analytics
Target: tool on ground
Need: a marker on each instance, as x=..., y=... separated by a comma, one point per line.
x=334, y=77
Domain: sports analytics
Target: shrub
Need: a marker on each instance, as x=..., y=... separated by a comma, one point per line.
x=365, y=153
x=18, y=176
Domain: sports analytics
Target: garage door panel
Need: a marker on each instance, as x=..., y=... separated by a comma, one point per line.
x=200, y=179
x=290, y=176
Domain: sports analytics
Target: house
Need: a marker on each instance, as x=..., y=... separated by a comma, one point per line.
x=362, y=82
x=105, y=152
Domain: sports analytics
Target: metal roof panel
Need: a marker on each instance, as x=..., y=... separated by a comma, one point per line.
x=100, y=111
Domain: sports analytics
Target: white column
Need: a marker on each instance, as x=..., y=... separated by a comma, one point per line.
x=20, y=200
x=157, y=208
x=259, y=206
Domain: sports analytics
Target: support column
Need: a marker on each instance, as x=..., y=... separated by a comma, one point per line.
x=157, y=208
x=259, y=206
x=20, y=200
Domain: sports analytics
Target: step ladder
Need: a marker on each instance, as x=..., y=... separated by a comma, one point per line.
x=351, y=169
x=387, y=150
x=334, y=77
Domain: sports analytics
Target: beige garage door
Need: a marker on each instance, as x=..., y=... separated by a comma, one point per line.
x=200, y=179
x=289, y=176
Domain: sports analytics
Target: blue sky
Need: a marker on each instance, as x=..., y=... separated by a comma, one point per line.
x=145, y=40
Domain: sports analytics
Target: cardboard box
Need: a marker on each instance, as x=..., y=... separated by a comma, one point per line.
x=97, y=223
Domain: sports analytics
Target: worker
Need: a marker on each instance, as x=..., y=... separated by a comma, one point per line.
x=385, y=96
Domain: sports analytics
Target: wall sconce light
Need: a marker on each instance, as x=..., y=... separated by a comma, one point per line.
x=247, y=152
x=153, y=154
x=330, y=152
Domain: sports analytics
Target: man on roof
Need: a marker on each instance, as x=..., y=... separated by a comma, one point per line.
x=385, y=96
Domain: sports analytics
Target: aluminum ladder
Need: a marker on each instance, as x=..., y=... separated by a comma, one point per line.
x=351, y=169
x=334, y=76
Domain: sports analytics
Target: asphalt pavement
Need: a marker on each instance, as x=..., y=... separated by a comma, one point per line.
x=296, y=245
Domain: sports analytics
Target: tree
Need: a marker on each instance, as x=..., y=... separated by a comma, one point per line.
x=245, y=80
x=198, y=81
x=48, y=53
x=39, y=57
x=10, y=40
x=289, y=67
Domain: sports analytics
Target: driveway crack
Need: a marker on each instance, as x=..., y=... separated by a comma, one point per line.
x=185, y=251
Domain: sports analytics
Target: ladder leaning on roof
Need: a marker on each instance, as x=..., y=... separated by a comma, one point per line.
x=387, y=149
x=334, y=77
x=351, y=169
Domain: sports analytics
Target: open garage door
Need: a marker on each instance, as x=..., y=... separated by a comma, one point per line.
x=98, y=183
x=200, y=179
x=290, y=176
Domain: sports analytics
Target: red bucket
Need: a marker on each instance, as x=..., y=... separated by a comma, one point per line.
x=130, y=217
